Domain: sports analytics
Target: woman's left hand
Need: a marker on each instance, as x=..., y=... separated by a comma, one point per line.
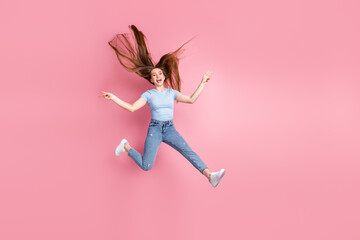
x=206, y=77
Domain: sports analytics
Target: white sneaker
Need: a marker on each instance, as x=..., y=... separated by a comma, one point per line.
x=120, y=148
x=215, y=177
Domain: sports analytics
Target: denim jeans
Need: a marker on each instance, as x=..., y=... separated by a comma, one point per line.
x=164, y=131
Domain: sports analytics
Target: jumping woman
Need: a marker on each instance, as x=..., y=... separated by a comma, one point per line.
x=133, y=55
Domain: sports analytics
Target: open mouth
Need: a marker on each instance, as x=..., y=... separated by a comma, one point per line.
x=158, y=81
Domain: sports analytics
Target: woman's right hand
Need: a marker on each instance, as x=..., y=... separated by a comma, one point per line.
x=107, y=95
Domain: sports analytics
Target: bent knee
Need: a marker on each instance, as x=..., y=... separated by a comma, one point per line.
x=147, y=167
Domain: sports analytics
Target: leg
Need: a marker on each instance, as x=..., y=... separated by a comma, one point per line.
x=206, y=173
x=151, y=147
x=127, y=147
x=175, y=140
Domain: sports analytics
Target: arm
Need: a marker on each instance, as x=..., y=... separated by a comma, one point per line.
x=130, y=107
x=187, y=99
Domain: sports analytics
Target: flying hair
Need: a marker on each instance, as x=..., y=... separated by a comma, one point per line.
x=133, y=55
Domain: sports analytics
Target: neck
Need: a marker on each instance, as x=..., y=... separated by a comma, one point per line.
x=160, y=88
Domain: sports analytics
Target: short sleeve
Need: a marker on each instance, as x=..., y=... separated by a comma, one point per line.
x=146, y=96
x=174, y=92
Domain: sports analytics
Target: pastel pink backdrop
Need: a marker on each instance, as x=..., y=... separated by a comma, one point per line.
x=281, y=114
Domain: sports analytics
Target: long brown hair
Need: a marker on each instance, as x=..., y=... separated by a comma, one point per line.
x=134, y=56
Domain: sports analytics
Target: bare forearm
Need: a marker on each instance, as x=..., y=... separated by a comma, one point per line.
x=197, y=92
x=121, y=103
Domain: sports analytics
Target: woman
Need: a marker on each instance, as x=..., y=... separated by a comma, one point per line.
x=133, y=55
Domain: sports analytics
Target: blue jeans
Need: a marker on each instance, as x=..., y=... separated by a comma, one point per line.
x=164, y=131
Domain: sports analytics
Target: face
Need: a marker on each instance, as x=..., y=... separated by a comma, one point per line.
x=157, y=77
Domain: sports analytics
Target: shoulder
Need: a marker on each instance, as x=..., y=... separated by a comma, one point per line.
x=173, y=91
x=146, y=94
x=148, y=91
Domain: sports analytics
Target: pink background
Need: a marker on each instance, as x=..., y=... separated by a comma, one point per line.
x=281, y=114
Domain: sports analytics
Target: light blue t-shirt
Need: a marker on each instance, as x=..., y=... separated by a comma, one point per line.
x=161, y=103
